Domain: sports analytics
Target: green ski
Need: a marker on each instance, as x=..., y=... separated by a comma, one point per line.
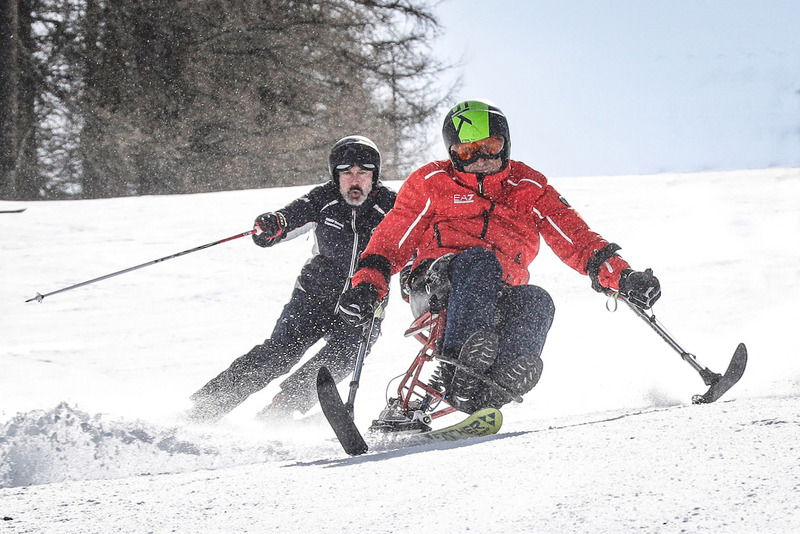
x=484, y=422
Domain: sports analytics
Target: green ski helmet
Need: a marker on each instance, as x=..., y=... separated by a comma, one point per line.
x=473, y=120
x=354, y=150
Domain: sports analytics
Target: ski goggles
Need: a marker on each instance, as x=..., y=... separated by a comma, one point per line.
x=348, y=166
x=489, y=147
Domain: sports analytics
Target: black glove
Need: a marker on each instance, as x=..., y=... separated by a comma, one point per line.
x=357, y=304
x=269, y=227
x=640, y=288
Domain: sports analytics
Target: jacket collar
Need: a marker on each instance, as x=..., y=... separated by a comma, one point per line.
x=488, y=185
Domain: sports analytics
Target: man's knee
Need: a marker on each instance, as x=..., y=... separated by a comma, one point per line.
x=529, y=301
x=268, y=358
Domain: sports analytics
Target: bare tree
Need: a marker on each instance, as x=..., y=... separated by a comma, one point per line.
x=30, y=181
x=9, y=95
x=408, y=77
x=158, y=96
x=56, y=84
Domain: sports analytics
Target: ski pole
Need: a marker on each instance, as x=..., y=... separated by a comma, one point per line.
x=39, y=297
x=363, y=347
x=650, y=318
x=719, y=383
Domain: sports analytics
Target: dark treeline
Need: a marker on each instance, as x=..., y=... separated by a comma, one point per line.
x=104, y=98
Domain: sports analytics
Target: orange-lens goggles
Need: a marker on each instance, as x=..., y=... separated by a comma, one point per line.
x=491, y=146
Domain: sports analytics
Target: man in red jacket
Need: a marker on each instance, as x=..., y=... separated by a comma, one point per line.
x=478, y=218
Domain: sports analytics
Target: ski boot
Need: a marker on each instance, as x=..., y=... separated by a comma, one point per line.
x=462, y=381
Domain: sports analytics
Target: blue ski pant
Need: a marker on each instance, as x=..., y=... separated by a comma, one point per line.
x=520, y=315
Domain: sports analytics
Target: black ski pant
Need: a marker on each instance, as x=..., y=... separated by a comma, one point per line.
x=305, y=320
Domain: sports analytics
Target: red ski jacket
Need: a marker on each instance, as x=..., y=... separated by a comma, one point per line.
x=440, y=210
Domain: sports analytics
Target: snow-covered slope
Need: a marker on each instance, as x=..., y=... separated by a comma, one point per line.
x=94, y=380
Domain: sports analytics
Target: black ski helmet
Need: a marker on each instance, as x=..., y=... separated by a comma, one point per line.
x=473, y=120
x=354, y=150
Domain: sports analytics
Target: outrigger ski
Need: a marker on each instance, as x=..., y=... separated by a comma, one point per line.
x=722, y=383
x=718, y=384
x=337, y=414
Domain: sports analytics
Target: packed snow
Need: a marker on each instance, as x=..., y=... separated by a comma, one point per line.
x=95, y=380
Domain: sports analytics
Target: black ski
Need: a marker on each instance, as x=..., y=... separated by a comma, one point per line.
x=340, y=419
x=13, y=211
x=722, y=383
x=718, y=383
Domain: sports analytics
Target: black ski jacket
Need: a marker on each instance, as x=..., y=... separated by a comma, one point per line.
x=341, y=233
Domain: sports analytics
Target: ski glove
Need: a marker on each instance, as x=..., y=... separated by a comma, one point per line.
x=640, y=288
x=357, y=304
x=269, y=227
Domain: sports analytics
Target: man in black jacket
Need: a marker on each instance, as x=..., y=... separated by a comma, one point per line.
x=343, y=212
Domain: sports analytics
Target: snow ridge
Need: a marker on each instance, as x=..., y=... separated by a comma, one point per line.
x=67, y=444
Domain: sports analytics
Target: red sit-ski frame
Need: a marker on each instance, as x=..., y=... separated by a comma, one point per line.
x=428, y=329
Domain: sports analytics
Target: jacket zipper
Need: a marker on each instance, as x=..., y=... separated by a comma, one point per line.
x=485, y=223
x=486, y=213
x=354, y=255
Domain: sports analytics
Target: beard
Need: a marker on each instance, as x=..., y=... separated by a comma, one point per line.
x=355, y=196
